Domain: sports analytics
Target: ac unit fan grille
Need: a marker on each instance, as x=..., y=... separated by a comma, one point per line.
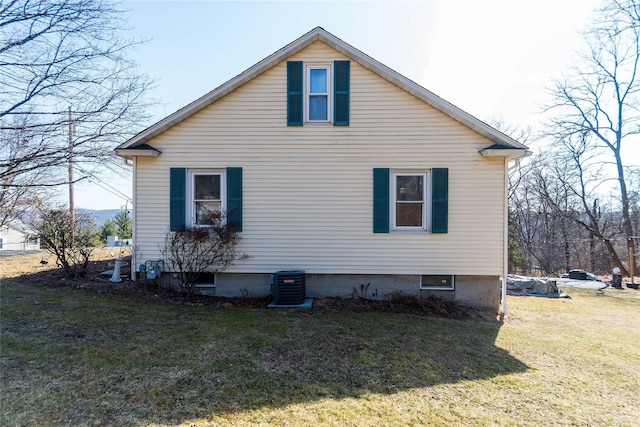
x=289, y=287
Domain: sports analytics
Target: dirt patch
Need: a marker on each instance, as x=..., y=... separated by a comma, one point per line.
x=15, y=264
x=40, y=269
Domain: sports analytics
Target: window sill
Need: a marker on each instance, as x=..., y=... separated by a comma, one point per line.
x=410, y=232
x=318, y=123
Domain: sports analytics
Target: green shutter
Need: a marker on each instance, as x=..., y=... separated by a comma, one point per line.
x=380, y=200
x=440, y=200
x=177, y=200
x=234, y=198
x=341, y=77
x=294, y=93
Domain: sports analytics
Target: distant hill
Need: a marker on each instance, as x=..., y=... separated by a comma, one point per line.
x=101, y=216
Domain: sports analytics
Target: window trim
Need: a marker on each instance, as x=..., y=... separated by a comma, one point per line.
x=426, y=200
x=307, y=87
x=190, y=196
x=452, y=287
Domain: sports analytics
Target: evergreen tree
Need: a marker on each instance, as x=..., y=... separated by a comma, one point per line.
x=123, y=225
x=108, y=229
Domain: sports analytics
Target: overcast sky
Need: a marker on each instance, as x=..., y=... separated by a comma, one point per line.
x=490, y=58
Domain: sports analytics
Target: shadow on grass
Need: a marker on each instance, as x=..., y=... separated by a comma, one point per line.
x=114, y=359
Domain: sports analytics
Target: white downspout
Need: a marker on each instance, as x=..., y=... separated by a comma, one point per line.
x=505, y=258
x=134, y=211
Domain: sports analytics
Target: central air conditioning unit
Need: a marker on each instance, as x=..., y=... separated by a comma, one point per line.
x=288, y=287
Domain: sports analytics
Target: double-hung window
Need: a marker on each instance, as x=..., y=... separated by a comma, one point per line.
x=194, y=193
x=318, y=93
x=207, y=196
x=410, y=201
x=410, y=195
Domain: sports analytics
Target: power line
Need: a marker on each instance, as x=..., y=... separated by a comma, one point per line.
x=100, y=183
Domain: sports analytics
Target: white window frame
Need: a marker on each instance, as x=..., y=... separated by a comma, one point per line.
x=451, y=287
x=426, y=201
x=307, y=93
x=191, y=202
x=207, y=285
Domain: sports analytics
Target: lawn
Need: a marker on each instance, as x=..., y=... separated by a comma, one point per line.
x=74, y=357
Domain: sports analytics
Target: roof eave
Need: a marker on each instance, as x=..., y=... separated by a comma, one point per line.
x=511, y=153
x=129, y=153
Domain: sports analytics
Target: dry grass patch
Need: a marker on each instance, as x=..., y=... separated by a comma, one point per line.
x=74, y=357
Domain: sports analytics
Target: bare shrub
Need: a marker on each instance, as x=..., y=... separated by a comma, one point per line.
x=56, y=238
x=192, y=251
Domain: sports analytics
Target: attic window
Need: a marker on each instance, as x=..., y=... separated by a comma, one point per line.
x=318, y=93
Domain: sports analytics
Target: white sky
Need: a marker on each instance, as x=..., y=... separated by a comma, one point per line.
x=491, y=58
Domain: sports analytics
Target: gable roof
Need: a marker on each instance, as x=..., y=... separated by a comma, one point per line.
x=317, y=34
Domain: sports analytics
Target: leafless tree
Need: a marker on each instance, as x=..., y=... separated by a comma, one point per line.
x=16, y=203
x=536, y=206
x=550, y=223
x=71, y=250
x=64, y=70
x=595, y=111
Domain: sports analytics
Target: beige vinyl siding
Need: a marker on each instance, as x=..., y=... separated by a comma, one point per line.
x=307, y=201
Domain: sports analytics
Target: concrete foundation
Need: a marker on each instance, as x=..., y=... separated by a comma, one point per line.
x=473, y=291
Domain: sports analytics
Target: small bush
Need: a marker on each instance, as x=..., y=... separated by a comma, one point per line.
x=192, y=251
x=72, y=252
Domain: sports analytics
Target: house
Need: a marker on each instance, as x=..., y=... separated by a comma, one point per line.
x=116, y=241
x=333, y=164
x=17, y=236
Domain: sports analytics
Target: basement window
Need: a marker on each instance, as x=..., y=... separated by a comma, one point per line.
x=205, y=280
x=437, y=282
x=205, y=284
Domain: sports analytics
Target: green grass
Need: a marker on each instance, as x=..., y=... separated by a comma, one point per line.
x=72, y=357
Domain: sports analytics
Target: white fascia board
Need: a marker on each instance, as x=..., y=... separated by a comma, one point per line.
x=133, y=152
x=512, y=153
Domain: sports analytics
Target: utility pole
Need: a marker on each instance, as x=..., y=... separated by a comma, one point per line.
x=72, y=216
x=632, y=261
